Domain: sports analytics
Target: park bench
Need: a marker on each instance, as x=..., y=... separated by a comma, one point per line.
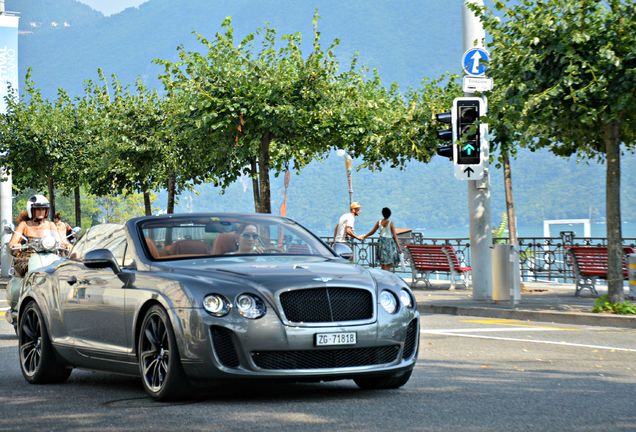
x=426, y=259
x=589, y=263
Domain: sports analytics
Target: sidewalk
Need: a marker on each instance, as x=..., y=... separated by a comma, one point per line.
x=539, y=302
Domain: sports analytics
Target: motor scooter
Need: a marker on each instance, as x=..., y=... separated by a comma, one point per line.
x=43, y=252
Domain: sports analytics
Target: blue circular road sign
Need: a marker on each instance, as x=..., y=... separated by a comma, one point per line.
x=475, y=61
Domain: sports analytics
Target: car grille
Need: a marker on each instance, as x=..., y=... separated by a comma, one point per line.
x=224, y=346
x=325, y=359
x=327, y=305
x=411, y=340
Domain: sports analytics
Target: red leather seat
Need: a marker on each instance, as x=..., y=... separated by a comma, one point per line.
x=188, y=247
x=224, y=243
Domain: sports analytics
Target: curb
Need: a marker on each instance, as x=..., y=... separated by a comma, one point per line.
x=578, y=318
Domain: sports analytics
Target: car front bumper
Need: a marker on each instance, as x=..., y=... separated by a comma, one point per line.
x=233, y=347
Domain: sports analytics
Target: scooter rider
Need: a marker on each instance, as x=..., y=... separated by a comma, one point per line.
x=36, y=225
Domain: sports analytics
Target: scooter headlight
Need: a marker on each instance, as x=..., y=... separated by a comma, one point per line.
x=48, y=243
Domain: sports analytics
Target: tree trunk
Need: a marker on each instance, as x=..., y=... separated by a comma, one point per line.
x=263, y=174
x=171, y=192
x=255, y=188
x=78, y=207
x=51, y=185
x=613, y=214
x=147, y=208
x=510, y=205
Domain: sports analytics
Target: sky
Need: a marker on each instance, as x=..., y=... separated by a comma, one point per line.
x=109, y=7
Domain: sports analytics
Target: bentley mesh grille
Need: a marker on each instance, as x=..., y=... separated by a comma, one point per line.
x=325, y=359
x=224, y=346
x=327, y=305
x=411, y=340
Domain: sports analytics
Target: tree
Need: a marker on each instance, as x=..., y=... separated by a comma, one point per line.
x=568, y=73
x=400, y=128
x=127, y=156
x=259, y=111
x=36, y=137
x=119, y=208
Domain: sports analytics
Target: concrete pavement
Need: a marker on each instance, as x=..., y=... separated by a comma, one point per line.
x=539, y=302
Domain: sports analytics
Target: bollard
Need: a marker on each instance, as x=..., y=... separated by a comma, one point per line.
x=631, y=267
x=505, y=273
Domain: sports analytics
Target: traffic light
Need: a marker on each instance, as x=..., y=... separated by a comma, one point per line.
x=445, y=134
x=466, y=133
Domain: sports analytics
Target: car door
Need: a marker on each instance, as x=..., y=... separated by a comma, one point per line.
x=93, y=303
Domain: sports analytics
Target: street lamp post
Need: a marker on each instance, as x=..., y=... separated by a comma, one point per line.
x=348, y=165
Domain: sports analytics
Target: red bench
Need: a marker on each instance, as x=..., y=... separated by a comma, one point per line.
x=426, y=259
x=590, y=263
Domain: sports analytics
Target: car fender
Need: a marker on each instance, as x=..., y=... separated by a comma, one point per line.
x=33, y=289
x=157, y=297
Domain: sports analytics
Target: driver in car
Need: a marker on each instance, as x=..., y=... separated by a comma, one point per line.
x=249, y=240
x=34, y=225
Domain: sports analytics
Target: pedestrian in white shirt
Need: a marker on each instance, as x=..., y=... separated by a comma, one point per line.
x=345, y=227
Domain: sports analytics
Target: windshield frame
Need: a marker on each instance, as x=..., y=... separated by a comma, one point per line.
x=165, y=238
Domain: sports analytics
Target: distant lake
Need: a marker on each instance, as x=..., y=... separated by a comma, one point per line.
x=598, y=230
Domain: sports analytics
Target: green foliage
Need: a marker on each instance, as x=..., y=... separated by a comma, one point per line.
x=126, y=152
x=39, y=139
x=603, y=304
x=119, y=208
x=252, y=110
x=500, y=234
x=403, y=127
x=565, y=74
x=90, y=209
x=564, y=71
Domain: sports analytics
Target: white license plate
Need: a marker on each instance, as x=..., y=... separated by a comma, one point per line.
x=327, y=339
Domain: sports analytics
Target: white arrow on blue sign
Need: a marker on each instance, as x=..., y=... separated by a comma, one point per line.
x=475, y=61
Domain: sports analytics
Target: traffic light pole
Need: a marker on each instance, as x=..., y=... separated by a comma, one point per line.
x=479, y=190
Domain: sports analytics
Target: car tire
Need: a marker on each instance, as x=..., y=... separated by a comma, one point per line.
x=38, y=361
x=161, y=371
x=383, y=382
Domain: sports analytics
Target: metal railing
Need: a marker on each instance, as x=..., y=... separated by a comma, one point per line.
x=542, y=259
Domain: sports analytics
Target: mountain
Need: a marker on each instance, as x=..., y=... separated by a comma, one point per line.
x=43, y=17
x=428, y=43
x=405, y=40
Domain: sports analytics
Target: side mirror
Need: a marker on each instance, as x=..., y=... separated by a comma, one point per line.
x=9, y=228
x=343, y=250
x=100, y=259
x=76, y=230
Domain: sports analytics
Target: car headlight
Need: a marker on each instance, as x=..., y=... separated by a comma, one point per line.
x=250, y=306
x=406, y=298
x=216, y=304
x=388, y=301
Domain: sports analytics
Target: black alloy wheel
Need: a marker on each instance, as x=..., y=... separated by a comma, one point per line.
x=159, y=363
x=38, y=360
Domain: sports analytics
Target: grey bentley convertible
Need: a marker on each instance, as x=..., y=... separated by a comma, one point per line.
x=184, y=300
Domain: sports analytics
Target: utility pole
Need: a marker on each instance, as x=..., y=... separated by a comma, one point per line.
x=8, y=74
x=478, y=190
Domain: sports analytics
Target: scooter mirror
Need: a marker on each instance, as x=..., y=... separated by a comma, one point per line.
x=9, y=228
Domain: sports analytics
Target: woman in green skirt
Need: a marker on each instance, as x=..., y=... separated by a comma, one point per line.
x=389, y=248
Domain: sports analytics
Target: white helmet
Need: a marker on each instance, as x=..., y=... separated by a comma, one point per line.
x=37, y=201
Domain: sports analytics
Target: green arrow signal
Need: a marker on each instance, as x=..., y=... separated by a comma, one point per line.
x=468, y=148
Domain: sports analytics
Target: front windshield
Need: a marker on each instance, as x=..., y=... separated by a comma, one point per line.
x=187, y=236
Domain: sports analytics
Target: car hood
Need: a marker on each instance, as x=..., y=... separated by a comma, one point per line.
x=275, y=273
